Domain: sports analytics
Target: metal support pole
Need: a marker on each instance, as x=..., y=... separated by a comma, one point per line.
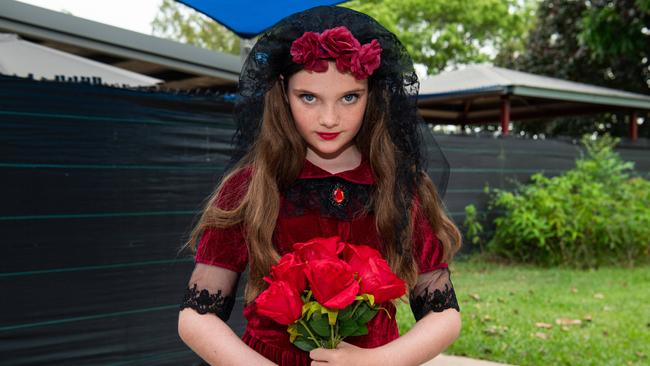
x=633, y=127
x=505, y=114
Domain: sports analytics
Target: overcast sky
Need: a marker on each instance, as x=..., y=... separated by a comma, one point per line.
x=134, y=15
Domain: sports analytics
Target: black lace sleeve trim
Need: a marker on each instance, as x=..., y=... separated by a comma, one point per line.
x=437, y=301
x=204, y=302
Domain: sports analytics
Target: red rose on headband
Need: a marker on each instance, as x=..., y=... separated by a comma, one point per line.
x=332, y=283
x=307, y=50
x=366, y=60
x=280, y=302
x=338, y=41
x=314, y=49
x=340, y=45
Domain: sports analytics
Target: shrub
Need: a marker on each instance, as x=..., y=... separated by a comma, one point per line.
x=473, y=227
x=595, y=214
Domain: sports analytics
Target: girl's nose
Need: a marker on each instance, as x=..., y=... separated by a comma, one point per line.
x=329, y=117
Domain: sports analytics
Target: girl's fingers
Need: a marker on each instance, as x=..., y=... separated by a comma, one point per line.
x=318, y=354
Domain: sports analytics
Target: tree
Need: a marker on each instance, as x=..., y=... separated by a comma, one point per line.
x=593, y=42
x=444, y=34
x=177, y=22
x=620, y=30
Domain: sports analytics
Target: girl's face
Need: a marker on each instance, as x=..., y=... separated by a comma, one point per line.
x=328, y=109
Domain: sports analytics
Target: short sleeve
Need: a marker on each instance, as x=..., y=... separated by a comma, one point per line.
x=433, y=290
x=427, y=248
x=220, y=258
x=226, y=247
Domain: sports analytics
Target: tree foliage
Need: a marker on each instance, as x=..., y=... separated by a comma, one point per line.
x=618, y=29
x=443, y=34
x=596, y=42
x=174, y=21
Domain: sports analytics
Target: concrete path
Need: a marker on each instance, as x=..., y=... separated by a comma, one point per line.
x=444, y=360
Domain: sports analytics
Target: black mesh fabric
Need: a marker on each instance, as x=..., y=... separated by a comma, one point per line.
x=211, y=290
x=433, y=292
x=270, y=57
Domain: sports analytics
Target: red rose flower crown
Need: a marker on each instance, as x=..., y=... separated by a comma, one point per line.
x=314, y=49
x=327, y=290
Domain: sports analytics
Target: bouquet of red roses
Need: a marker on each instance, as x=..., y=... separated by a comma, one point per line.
x=327, y=290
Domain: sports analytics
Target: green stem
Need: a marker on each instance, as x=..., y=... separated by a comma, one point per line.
x=355, y=308
x=311, y=335
x=331, y=336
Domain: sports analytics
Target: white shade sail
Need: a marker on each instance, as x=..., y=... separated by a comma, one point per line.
x=22, y=58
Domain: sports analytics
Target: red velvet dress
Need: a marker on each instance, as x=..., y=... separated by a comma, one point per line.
x=311, y=209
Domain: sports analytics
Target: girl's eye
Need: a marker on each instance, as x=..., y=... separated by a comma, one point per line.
x=351, y=98
x=348, y=99
x=307, y=98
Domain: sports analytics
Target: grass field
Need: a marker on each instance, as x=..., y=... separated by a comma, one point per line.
x=526, y=315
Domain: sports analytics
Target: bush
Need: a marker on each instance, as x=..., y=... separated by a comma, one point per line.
x=595, y=214
x=473, y=227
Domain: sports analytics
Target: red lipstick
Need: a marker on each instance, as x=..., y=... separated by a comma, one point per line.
x=328, y=136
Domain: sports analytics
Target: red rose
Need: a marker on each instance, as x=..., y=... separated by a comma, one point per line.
x=280, y=302
x=354, y=254
x=319, y=248
x=307, y=50
x=338, y=41
x=379, y=280
x=366, y=60
x=340, y=45
x=332, y=282
x=291, y=270
x=344, y=62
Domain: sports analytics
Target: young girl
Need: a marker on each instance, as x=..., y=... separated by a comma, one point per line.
x=328, y=145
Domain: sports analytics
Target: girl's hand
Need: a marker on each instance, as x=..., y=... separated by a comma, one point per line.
x=343, y=355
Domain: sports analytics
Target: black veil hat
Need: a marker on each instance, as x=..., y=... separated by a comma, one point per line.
x=270, y=57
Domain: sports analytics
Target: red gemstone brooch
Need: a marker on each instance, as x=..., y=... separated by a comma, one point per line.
x=338, y=195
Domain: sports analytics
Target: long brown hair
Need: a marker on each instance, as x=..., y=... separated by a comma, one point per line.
x=275, y=165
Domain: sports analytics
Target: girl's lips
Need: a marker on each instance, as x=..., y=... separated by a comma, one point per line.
x=328, y=136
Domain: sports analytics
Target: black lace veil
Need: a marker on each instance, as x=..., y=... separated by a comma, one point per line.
x=270, y=57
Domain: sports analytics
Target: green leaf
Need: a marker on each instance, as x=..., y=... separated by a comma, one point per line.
x=331, y=314
x=347, y=328
x=370, y=299
x=345, y=313
x=304, y=344
x=302, y=330
x=320, y=325
x=310, y=307
x=361, y=309
x=293, y=332
x=361, y=330
x=366, y=316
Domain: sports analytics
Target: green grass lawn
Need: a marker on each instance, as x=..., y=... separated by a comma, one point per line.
x=526, y=315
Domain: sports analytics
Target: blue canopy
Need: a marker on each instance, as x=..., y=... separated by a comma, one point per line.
x=248, y=18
